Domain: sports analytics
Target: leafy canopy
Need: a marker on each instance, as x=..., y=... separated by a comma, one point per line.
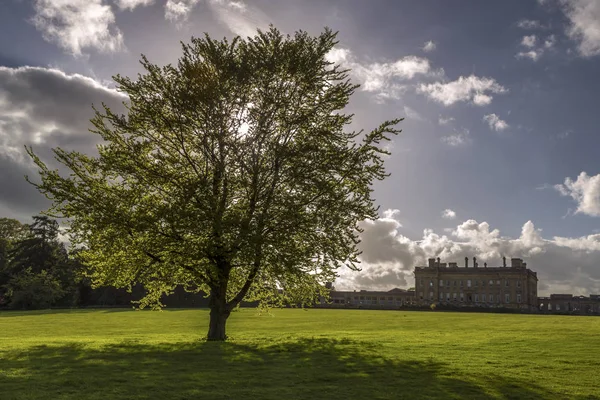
x=231, y=173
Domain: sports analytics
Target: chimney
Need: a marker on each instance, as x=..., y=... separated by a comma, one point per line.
x=431, y=262
x=484, y=265
x=474, y=262
x=504, y=262
x=466, y=262
x=328, y=285
x=438, y=262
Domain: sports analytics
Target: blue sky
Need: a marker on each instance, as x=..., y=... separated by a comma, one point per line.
x=499, y=154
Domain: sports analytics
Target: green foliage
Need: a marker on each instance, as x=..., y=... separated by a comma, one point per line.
x=231, y=173
x=295, y=354
x=30, y=290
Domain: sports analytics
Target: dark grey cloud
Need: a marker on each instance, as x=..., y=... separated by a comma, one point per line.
x=43, y=108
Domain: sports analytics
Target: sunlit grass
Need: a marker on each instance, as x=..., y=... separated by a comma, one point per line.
x=297, y=354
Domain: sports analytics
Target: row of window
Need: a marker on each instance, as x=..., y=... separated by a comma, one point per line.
x=373, y=300
x=476, y=283
x=477, y=298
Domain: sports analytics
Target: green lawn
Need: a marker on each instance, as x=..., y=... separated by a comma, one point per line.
x=297, y=354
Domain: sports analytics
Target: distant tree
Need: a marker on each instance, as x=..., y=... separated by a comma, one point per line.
x=30, y=290
x=40, y=249
x=11, y=231
x=232, y=173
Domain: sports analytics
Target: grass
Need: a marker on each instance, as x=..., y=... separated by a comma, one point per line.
x=297, y=354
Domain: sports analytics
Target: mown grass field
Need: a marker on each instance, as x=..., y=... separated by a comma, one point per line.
x=297, y=354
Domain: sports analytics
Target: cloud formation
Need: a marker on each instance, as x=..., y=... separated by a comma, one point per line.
x=533, y=51
x=495, y=122
x=529, y=41
x=75, y=25
x=132, y=4
x=585, y=190
x=459, y=137
x=44, y=108
x=563, y=264
x=429, y=46
x=387, y=80
x=584, y=27
x=465, y=89
x=529, y=24
x=448, y=214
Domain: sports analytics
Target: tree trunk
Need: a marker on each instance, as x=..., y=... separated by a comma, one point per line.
x=219, y=313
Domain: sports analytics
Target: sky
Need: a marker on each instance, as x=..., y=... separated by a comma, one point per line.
x=501, y=99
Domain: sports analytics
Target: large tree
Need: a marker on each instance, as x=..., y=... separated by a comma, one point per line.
x=231, y=173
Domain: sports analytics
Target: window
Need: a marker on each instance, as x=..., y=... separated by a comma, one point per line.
x=431, y=295
x=441, y=295
x=518, y=283
x=491, y=298
x=454, y=296
x=491, y=282
x=476, y=298
x=441, y=282
x=498, y=282
x=447, y=283
x=482, y=283
x=468, y=283
x=476, y=283
x=447, y=296
x=454, y=283
x=507, y=297
x=483, y=298
x=518, y=298
x=461, y=283
x=558, y=307
x=507, y=283
x=462, y=297
x=430, y=283
x=362, y=297
x=549, y=307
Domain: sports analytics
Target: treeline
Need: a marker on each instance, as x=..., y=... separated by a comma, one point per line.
x=37, y=271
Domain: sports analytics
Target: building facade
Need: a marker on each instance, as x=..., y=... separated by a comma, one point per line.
x=569, y=304
x=512, y=287
x=392, y=299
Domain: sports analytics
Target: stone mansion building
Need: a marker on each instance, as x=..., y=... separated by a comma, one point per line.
x=468, y=287
x=491, y=287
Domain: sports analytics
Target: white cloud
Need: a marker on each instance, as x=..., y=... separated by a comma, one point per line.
x=584, y=17
x=585, y=190
x=429, y=46
x=238, y=17
x=387, y=80
x=412, y=114
x=78, y=24
x=131, y=4
x=532, y=55
x=178, y=10
x=448, y=214
x=458, y=138
x=495, y=122
x=563, y=264
x=529, y=41
x=550, y=41
x=445, y=121
x=471, y=88
x=529, y=24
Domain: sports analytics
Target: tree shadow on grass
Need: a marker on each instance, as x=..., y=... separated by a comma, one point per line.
x=298, y=369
